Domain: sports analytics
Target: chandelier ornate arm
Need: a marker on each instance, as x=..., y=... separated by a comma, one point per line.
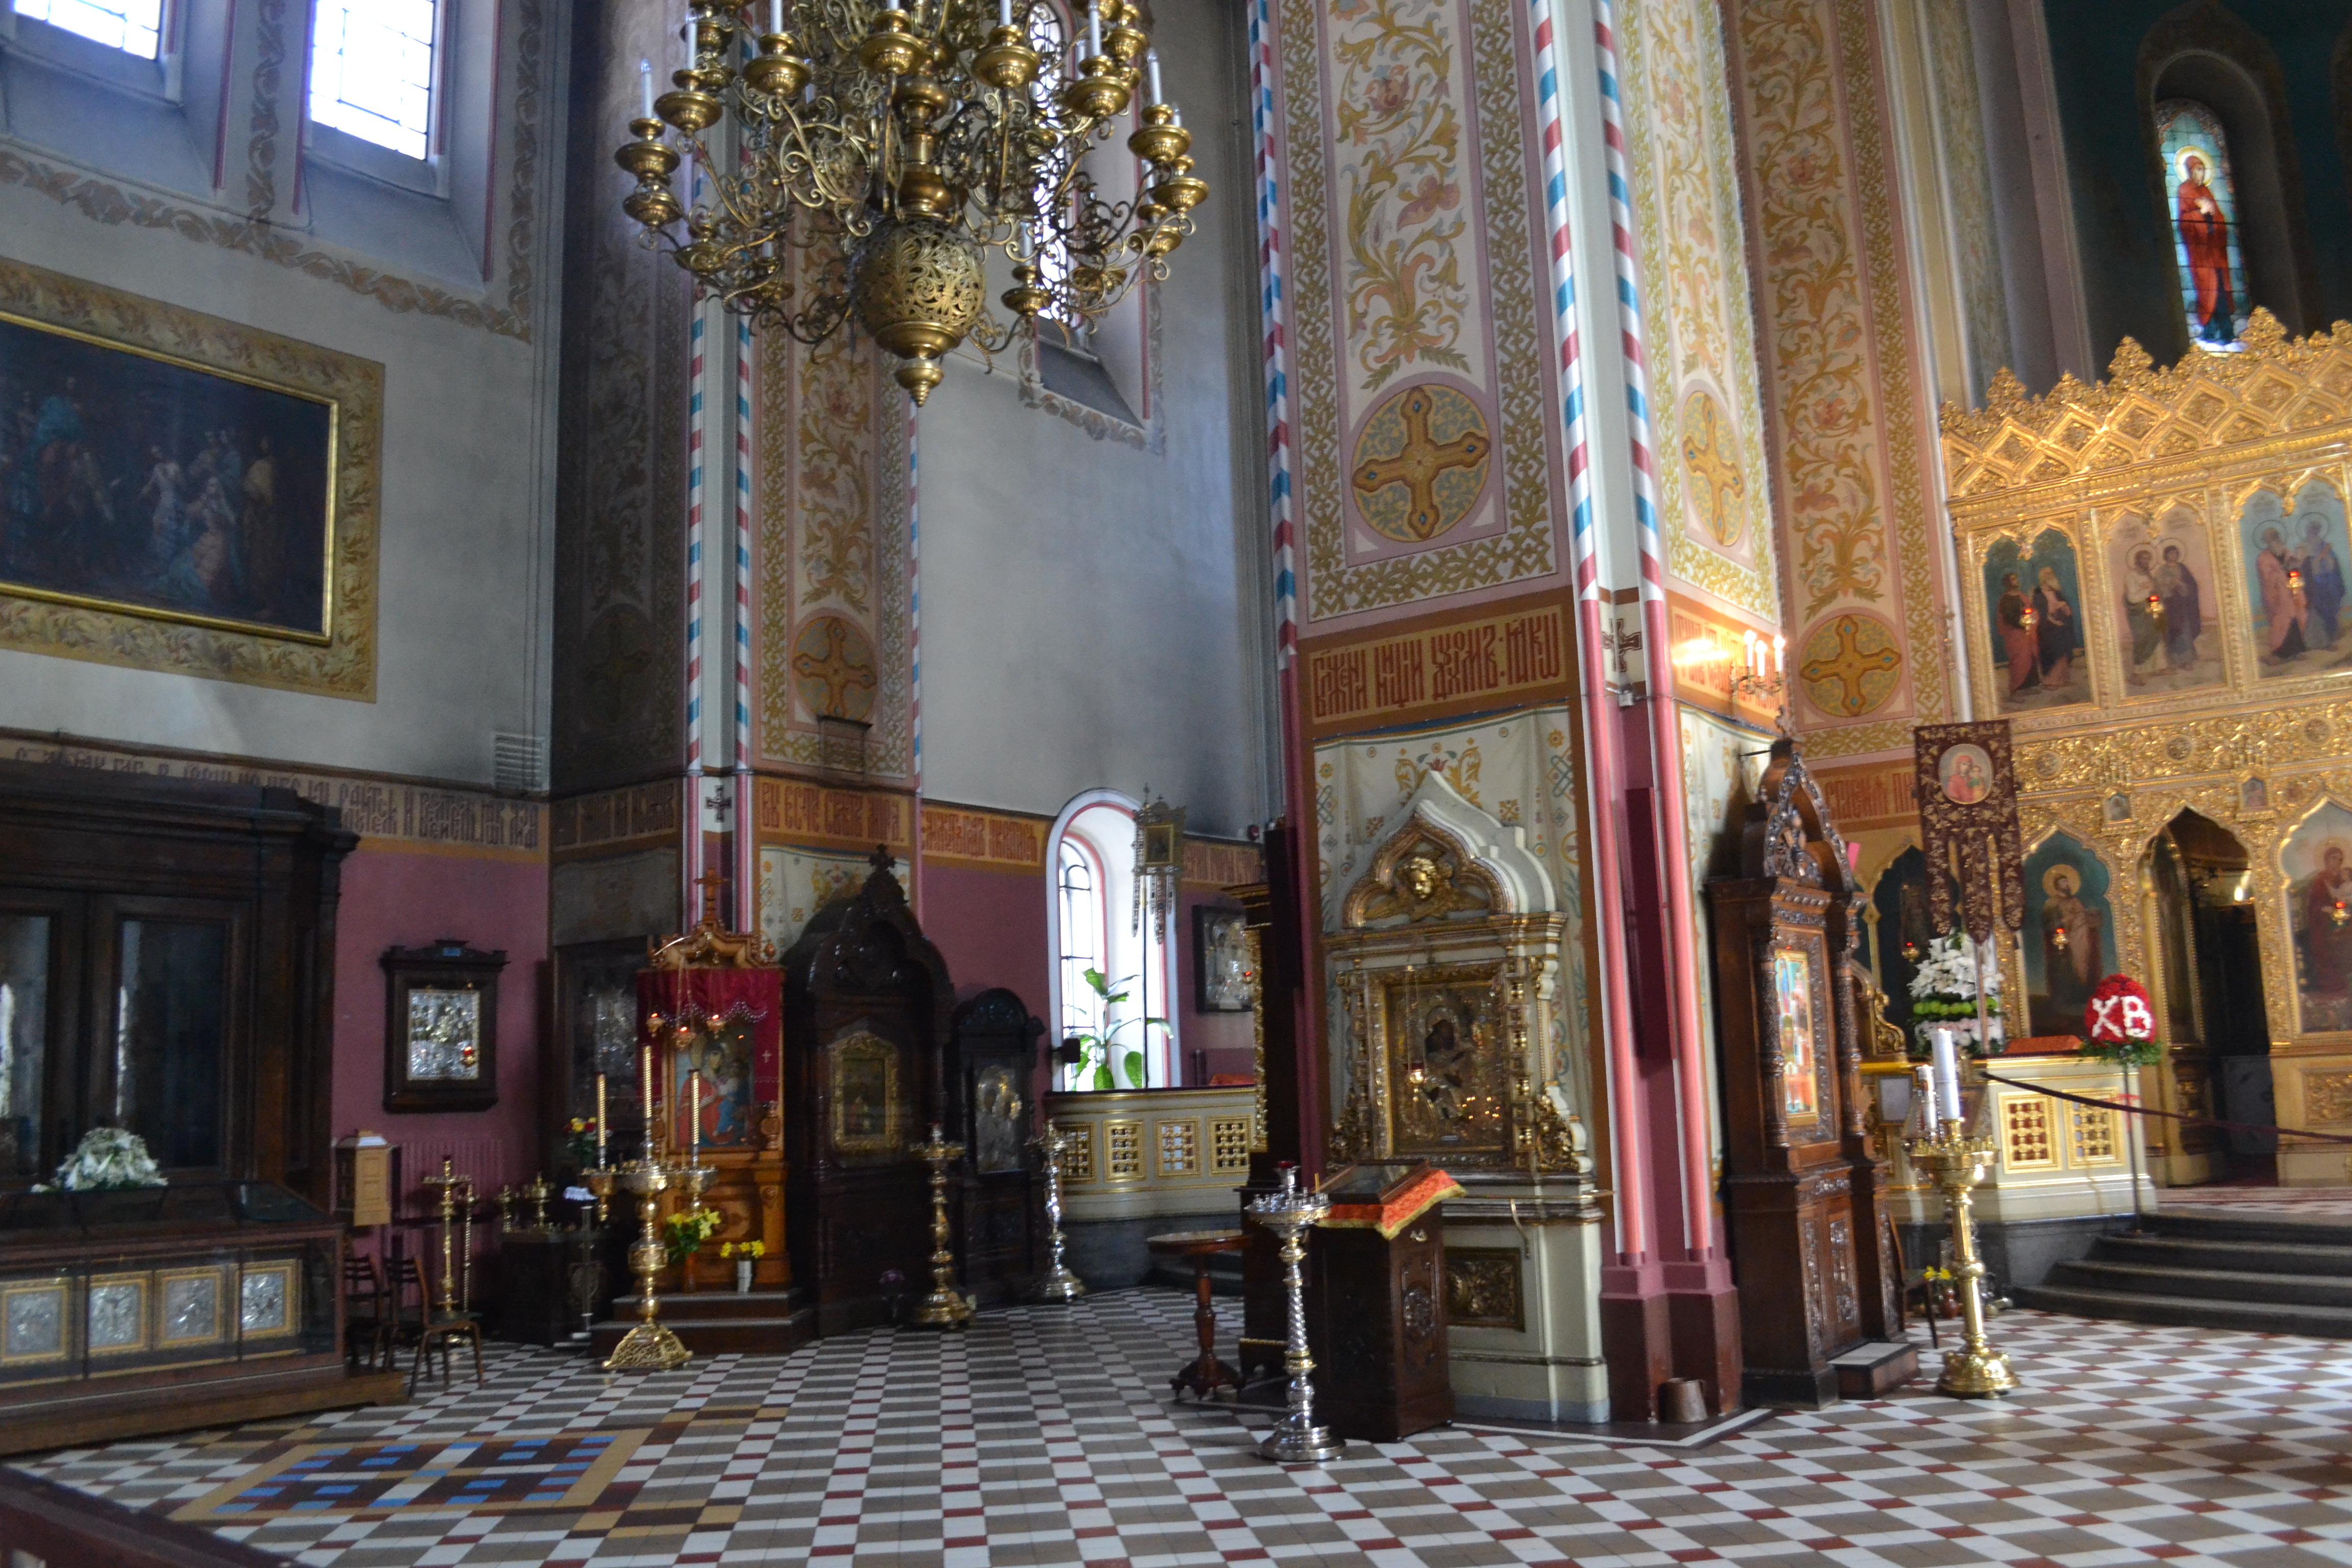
x=889, y=145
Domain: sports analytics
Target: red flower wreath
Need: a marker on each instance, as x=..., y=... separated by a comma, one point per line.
x=2121, y=1016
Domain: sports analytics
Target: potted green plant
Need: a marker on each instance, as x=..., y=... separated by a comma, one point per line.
x=1090, y=1055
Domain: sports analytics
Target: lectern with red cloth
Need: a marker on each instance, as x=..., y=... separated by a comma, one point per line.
x=1377, y=1316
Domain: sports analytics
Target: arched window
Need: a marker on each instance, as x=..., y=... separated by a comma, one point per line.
x=1084, y=932
x=1113, y=975
x=2200, y=187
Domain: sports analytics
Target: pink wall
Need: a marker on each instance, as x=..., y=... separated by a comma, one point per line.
x=990, y=928
x=397, y=898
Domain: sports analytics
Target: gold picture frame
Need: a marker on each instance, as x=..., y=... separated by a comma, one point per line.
x=337, y=659
x=863, y=1092
x=1445, y=1060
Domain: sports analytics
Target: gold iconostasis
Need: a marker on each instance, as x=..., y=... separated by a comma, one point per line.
x=2153, y=581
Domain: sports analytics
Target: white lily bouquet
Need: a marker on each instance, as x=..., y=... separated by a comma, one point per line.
x=1943, y=995
x=109, y=1158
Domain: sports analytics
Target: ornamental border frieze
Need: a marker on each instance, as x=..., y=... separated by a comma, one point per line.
x=1528, y=546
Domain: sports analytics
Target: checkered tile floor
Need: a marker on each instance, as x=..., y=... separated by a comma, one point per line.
x=1046, y=1435
x=2299, y=1202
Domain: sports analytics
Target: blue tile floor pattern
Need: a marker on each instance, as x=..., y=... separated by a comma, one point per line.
x=1046, y=1435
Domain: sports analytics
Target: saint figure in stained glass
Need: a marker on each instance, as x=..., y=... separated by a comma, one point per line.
x=2204, y=208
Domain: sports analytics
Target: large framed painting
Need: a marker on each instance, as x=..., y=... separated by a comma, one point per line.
x=183, y=493
x=2296, y=555
x=2069, y=934
x=1447, y=1071
x=2034, y=597
x=2315, y=862
x=2166, y=610
x=1793, y=1023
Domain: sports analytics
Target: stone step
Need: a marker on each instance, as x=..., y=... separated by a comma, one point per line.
x=2217, y=1255
x=2096, y=1273
x=2232, y=1227
x=2192, y=1312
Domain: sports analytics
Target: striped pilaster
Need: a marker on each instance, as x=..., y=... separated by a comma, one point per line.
x=1271, y=307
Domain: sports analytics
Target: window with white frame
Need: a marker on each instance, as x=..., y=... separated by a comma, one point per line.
x=372, y=72
x=1113, y=975
x=134, y=26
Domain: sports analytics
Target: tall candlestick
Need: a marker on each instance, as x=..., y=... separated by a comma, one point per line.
x=1947, y=1076
x=1152, y=73
x=694, y=1125
x=645, y=1082
x=646, y=84
x=600, y=1122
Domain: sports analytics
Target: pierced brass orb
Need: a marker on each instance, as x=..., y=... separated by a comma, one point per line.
x=920, y=287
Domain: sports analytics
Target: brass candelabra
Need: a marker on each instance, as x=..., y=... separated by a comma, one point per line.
x=649, y=1345
x=1956, y=1163
x=456, y=1199
x=945, y=1307
x=1059, y=1284
x=1296, y=1439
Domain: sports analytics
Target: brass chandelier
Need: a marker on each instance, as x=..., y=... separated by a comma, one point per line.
x=893, y=145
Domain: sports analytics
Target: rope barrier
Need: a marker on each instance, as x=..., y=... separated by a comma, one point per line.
x=2172, y=1115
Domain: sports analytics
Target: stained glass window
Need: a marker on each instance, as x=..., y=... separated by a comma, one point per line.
x=2201, y=192
x=372, y=72
x=134, y=26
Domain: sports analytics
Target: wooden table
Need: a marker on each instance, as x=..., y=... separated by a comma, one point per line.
x=1205, y=1374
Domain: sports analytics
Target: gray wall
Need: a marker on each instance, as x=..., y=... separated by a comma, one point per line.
x=467, y=496
x=1096, y=615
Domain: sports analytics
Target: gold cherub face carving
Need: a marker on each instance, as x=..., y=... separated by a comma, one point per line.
x=1421, y=877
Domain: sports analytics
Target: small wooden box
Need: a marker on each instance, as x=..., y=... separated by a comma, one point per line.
x=1378, y=1290
x=365, y=1179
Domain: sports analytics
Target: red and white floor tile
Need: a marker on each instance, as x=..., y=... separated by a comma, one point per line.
x=1043, y=1437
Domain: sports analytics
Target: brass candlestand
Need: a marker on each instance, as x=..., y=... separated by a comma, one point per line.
x=649, y=1345
x=1296, y=1439
x=945, y=1307
x=1956, y=1163
x=1060, y=1284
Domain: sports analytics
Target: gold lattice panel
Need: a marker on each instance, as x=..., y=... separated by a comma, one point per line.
x=2093, y=1134
x=1180, y=1148
x=2026, y=1141
x=2140, y=414
x=1123, y=1150
x=1229, y=1144
x=1077, y=1154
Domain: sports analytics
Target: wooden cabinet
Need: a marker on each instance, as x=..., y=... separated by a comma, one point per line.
x=166, y=965
x=866, y=998
x=992, y=1073
x=1802, y=1186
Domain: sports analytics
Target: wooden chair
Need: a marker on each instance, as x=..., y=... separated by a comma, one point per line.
x=441, y=1330
x=366, y=1312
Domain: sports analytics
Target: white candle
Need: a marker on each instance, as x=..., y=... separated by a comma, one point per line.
x=646, y=82
x=775, y=16
x=1780, y=648
x=1947, y=1076
x=1152, y=73
x=1094, y=31
x=1005, y=13
x=1923, y=1099
x=1748, y=659
x=1023, y=230
x=1175, y=115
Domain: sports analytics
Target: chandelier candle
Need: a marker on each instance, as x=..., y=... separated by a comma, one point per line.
x=872, y=154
